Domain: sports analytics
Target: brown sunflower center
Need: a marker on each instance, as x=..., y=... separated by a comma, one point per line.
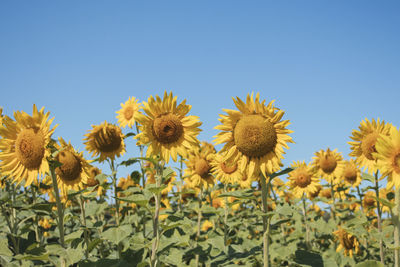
x=29, y=148
x=201, y=167
x=109, y=139
x=327, y=163
x=228, y=168
x=71, y=166
x=92, y=182
x=254, y=136
x=369, y=201
x=368, y=145
x=326, y=193
x=167, y=128
x=350, y=173
x=303, y=179
x=128, y=113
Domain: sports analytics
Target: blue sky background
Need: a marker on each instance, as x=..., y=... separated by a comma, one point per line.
x=328, y=64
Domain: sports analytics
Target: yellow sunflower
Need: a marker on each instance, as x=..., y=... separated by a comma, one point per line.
x=302, y=179
x=127, y=114
x=351, y=173
x=74, y=171
x=347, y=241
x=226, y=172
x=388, y=153
x=313, y=194
x=166, y=128
x=383, y=193
x=91, y=181
x=364, y=140
x=328, y=164
x=198, y=171
x=369, y=201
x=23, y=146
x=105, y=140
x=206, y=225
x=255, y=135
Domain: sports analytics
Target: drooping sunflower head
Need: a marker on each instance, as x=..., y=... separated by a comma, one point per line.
x=254, y=134
x=105, y=140
x=166, y=129
x=351, y=173
x=23, y=146
x=348, y=242
x=74, y=171
x=313, y=194
x=128, y=112
x=388, y=154
x=302, y=179
x=198, y=171
x=326, y=193
x=227, y=172
x=328, y=164
x=387, y=194
x=364, y=141
x=369, y=201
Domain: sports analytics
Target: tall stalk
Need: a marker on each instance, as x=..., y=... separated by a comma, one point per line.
x=396, y=222
x=60, y=208
x=379, y=215
x=156, y=231
x=85, y=233
x=199, y=224
x=266, y=223
x=225, y=220
x=308, y=244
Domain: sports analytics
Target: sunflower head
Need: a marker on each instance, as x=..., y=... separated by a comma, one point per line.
x=328, y=164
x=23, y=146
x=166, y=129
x=74, y=171
x=388, y=154
x=302, y=179
x=206, y=225
x=348, y=242
x=255, y=135
x=198, y=171
x=326, y=193
x=369, y=200
x=105, y=140
x=127, y=114
x=364, y=141
x=351, y=173
x=227, y=172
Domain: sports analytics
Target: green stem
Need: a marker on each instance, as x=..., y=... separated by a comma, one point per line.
x=379, y=210
x=156, y=231
x=180, y=185
x=199, y=225
x=114, y=177
x=305, y=222
x=396, y=222
x=226, y=220
x=85, y=233
x=333, y=208
x=266, y=226
x=361, y=198
x=60, y=210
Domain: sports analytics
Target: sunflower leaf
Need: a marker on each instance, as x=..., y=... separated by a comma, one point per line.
x=276, y=174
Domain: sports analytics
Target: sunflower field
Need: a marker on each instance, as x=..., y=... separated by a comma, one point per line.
x=186, y=204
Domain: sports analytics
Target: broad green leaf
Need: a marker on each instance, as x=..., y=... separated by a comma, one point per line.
x=117, y=234
x=368, y=177
x=308, y=258
x=370, y=263
x=283, y=172
x=74, y=235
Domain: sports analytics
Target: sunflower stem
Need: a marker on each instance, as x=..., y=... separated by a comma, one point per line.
x=36, y=220
x=199, y=225
x=156, y=232
x=308, y=244
x=85, y=233
x=333, y=208
x=225, y=220
x=396, y=222
x=180, y=185
x=379, y=215
x=60, y=209
x=266, y=226
x=360, y=196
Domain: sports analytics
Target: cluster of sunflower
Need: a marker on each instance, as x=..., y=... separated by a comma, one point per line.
x=239, y=183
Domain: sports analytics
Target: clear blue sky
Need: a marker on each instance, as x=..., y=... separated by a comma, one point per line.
x=328, y=64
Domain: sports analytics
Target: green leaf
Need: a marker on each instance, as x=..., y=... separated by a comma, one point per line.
x=384, y=202
x=154, y=189
x=243, y=194
x=47, y=207
x=4, y=250
x=94, y=243
x=276, y=174
x=102, y=178
x=129, y=162
x=43, y=257
x=73, y=236
x=167, y=172
x=368, y=177
x=370, y=263
x=308, y=258
x=117, y=234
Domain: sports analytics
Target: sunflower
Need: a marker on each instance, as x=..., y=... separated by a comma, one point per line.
x=166, y=129
x=23, y=151
x=351, y=173
x=127, y=114
x=326, y=193
x=388, y=148
x=328, y=164
x=313, y=194
x=245, y=181
x=74, y=171
x=206, y=225
x=105, y=140
x=384, y=193
x=198, y=171
x=302, y=179
x=348, y=242
x=364, y=141
x=92, y=181
x=224, y=171
x=255, y=135
x=369, y=201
